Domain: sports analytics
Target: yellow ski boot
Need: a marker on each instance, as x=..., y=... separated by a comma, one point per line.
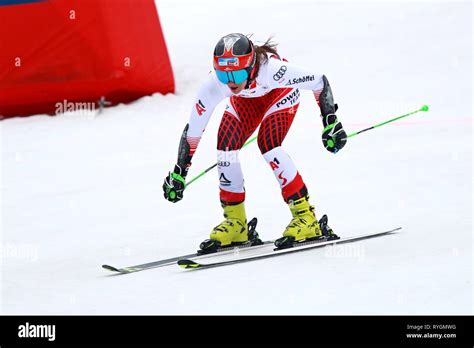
x=303, y=226
x=232, y=231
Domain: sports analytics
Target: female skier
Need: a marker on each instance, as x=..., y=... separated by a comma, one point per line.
x=263, y=90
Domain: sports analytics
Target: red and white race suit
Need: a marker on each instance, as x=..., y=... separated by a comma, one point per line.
x=271, y=101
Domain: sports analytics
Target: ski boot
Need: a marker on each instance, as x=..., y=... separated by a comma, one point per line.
x=233, y=231
x=303, y=227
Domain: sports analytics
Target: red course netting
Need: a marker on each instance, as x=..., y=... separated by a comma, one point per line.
x=77, y=50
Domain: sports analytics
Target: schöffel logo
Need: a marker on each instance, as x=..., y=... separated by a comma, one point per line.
x=300, y=80
x=280, y=73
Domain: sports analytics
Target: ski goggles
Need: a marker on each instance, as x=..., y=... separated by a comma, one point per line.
x=236, y=76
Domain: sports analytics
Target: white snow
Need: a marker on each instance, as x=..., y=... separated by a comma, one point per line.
x=81, y=191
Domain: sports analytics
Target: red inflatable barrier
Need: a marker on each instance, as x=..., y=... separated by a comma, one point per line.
x=53, y=51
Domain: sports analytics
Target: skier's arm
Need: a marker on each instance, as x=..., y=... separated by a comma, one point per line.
x=209, y=95
x=283, y=74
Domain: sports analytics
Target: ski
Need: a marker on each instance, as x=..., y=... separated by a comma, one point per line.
x=172, y=260
x=197, y=255
x=189, y=263
x=145, y=266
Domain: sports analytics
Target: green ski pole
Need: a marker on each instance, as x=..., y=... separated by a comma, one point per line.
x=214, y=165
x=423, y=108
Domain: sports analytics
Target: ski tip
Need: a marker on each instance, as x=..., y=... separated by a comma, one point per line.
x=121, y=270
x=188, y=264
x=110, y=268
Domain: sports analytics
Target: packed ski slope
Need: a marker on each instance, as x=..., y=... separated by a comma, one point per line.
x=80, y=191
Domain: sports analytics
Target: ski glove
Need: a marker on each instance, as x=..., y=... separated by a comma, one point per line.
x=334, y=136
x=174, y=185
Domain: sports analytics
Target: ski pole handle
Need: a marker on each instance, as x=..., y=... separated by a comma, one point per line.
x=215, y=165
x=423, y=108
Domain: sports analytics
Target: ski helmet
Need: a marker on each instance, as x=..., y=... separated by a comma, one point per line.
x=234, y=58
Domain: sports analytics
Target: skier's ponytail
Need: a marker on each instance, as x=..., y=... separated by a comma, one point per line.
x=264, y=52
x=267, y=49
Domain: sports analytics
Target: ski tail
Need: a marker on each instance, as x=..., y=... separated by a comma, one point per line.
x=111, y=268
x=188, y=264
x=254, y=242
